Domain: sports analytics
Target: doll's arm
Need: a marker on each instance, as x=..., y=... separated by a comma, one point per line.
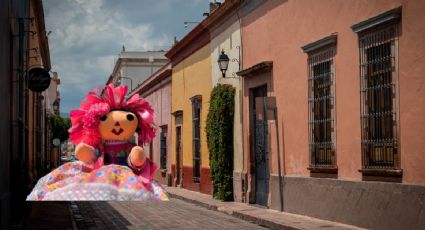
x=137, y=157
x=140, y=163
x=85, y=153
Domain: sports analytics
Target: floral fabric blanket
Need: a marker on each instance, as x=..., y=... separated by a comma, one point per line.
x=77, y=181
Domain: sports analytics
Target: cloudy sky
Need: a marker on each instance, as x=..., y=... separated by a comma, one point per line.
x=87, y=36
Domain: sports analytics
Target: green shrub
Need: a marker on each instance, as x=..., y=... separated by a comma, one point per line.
x=60, y=126
x=219, y=130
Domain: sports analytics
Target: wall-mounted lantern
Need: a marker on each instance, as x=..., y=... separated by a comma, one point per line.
x=223, y=63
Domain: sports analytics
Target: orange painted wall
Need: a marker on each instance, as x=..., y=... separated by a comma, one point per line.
x=277, y=30
x=412, y=91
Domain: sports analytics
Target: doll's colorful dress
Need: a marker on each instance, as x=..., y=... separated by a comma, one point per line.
x=112, y=177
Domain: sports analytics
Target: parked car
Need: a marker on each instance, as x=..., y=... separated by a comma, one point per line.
x=65, y=159
x=73, y=158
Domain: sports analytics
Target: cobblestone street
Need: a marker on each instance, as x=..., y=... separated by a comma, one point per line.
x=175, y=214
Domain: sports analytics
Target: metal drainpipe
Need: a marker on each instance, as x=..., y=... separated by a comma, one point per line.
x=241, y=81
x=278, y=160
x=275, y=114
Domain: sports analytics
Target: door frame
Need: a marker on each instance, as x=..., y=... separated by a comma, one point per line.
x=179, y=158
x=252, y=147
x=254, y=76
x=178, y=125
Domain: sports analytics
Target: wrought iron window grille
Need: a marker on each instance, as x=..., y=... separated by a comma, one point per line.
x=163, y=149
x=196, y=131
x=321, y=105
x=378, y=49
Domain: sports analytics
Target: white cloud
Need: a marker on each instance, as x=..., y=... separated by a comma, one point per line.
x=87, y=36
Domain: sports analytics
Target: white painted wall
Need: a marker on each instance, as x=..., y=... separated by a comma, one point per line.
x=230, y=41
x=137, y=66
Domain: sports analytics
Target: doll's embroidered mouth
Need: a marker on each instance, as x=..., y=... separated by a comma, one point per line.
x=114, y=131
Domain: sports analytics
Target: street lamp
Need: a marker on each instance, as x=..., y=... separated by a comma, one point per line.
x=56, y=107
x=223, y=63
x=131, y=82
x=187, y=23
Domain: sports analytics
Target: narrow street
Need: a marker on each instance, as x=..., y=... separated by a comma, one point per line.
x=175, y=214
x=219, y=114
x=185, y=210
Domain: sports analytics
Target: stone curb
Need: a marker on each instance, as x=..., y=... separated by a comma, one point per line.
x=240, y=215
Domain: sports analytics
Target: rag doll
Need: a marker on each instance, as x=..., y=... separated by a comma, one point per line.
x=110, y=166
x=103, y=127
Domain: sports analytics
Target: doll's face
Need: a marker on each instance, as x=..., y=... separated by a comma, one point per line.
x=118, y=125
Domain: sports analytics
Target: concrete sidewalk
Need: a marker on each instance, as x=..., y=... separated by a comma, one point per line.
x=267, y=217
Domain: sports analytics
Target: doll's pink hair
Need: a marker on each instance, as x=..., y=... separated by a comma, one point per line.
x=85, y=121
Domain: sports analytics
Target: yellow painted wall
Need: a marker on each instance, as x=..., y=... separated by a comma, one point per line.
x=191, y=77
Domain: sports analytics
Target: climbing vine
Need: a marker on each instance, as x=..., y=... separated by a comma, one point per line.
x=219, y=130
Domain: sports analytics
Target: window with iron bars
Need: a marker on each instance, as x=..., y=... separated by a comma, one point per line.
x=196, y=114
x=378, y=77
x=321, y=107
x=163, y=148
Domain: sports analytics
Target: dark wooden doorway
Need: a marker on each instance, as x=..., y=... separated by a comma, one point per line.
x=260, y=146
x=178, y=156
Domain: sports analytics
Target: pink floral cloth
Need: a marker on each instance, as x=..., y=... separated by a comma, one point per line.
x=116, y=152
x=115, y=181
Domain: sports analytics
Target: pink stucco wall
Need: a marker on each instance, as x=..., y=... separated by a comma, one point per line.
x=159, y=97
x=277, y=30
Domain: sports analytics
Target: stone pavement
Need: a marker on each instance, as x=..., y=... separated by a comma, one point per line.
x=266, y=217
x=49, y=215
x=185, y=210
x=174, y=214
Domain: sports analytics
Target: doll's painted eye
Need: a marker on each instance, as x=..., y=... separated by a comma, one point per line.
x=103, y=118
x=130, y=117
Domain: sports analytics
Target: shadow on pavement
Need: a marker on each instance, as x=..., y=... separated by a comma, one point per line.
x=97, y=214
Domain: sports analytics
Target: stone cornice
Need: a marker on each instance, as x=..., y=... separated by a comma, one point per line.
x=393, y=15
x=328, y=40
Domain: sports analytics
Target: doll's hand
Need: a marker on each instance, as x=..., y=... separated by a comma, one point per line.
x=85, y=153
x=137, y=156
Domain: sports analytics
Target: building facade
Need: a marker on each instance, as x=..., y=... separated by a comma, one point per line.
x=52, y=107
x=191, y=88
x=225, y=34
x=40, y=104
x=350, y=114
x=134, y=67
x=24, y=45
x=157, y=91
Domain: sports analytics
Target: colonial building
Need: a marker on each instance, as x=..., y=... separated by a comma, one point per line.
x=52, y=107
x=134, y=67
x=347, y=79
x=191, y=87
x=225, y=34
x=157, y=91
x=23, y=143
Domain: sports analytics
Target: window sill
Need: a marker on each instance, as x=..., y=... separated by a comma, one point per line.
x=329, y=170
x=382, y=172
